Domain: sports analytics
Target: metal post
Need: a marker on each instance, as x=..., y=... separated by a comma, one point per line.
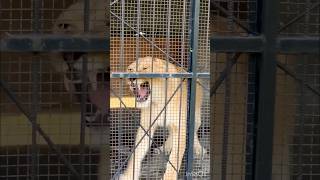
x=35, y=94
x=84, y=89
x=251, y=97
x=194, y=33
x=227, y=96
x=267, y=82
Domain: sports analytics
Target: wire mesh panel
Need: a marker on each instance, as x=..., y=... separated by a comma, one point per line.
x=54, y=108
x=151, y=40
x=232, y=93
x=296, y=89
x=299, y=17
x=296, y=146
x=70, y=128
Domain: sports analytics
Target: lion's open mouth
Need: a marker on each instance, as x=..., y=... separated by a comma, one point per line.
x=141, y=92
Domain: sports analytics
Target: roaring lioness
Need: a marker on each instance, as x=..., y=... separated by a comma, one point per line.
x=151, y=94
x=163, y=102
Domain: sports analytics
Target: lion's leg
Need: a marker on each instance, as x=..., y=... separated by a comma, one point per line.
x=197, y=147
x=177, y=136
x=166, y=148
x=142, y=146
x=198, y=150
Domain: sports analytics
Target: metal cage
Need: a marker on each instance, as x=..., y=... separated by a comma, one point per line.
x=69, y=110
x=54, y=61
x=160, y=30
x=269, y=77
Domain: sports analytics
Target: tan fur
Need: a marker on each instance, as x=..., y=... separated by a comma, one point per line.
x=70, y=22
x=175, y=120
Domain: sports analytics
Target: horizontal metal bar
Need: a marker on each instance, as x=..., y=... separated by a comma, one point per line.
x=295, y=44
x=236, y=44
x=299, y=44
x=92, y=43
x=158, y=75
x=49, y=43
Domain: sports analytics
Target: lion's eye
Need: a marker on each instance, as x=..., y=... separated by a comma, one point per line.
x=130, y=69
x=145, y=68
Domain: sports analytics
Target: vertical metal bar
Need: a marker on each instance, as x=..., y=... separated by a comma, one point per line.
x=194, y=37
x=1, y=109
x=226, y=120
x=34, y=112
x=183, y=59
x=251, y=97
x=226, y=116
x=86, y=16
x=301, y=119
x=167, y=70
x=107, y=101
x=122, y=65
x=138, y=33
x=251, y=116
x=152, y=64
x=302, y=69
x=267, y=83
x=104, y=158
x=137, y=60
x=36, y=16
x=204, y=133
x=84, y=89
x=211, y=95
x=35, y=93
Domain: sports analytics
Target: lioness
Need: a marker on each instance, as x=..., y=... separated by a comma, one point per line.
x=152, y=96
x=70, y=22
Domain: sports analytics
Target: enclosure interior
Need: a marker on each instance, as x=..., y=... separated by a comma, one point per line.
x=165, y=24
x=59, y=109
x=164, y=27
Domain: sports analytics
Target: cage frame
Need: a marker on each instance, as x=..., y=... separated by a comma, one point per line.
x=266, y=44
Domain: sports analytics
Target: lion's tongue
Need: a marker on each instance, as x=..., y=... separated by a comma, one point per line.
x=142, y=91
